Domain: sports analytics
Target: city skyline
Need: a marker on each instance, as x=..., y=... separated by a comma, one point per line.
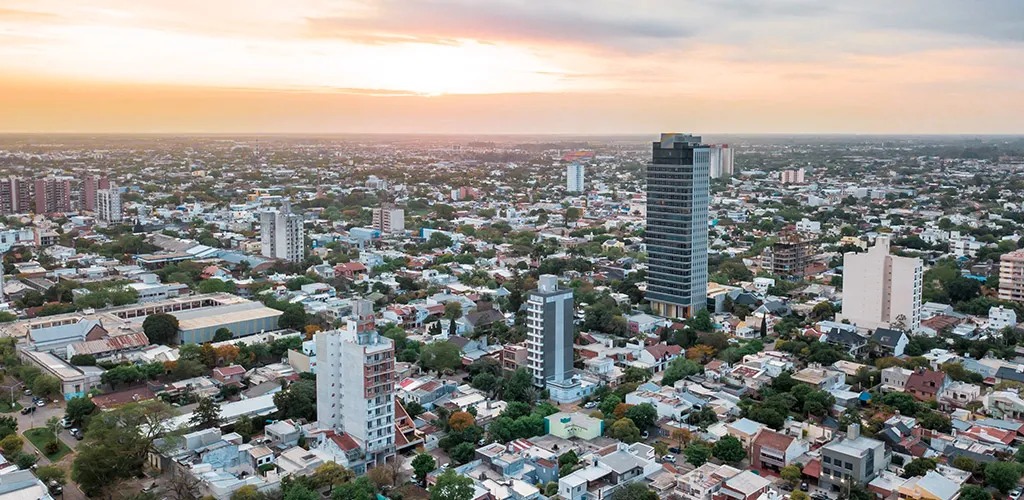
x=112, y=66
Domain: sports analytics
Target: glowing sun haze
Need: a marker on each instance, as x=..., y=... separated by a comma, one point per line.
x=508, y=66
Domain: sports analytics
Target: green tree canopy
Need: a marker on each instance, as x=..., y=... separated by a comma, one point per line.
x=440, y=356
x=161, y=328
x=624, y=430
x=679, y=369
x=634, y=491
x=452, y=486
x=422, y=465
x=644, y=415
x=729, y=449
x=697, y=453
x=1003, y=475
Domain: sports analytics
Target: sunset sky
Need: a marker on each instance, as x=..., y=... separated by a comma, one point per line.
x=512, y=66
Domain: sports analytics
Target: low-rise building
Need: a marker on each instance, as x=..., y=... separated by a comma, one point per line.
x=926, y=385
x=931, y=486
x=608, y=472
x=774, y=450
x=743, y=486
x=820, y=378
x=895, y=378
x=853, y=458
x=704, y=482
x=75, y=381
x=573, y=425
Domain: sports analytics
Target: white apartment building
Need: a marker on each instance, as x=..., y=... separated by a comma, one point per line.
x=549, y=340
x=806, y=225
x=574, y=178
x=281, y=234
x=882, y=290
x=1000, y=317
x=964, y=245
x=389, y=219
x=355, y=383
x=792, y=176
x=721, y=161
x=108, y=205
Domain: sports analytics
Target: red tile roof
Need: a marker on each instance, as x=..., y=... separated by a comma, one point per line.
x=991, y=434
x=344, y=441
x=773, y=440
x=661, y=351
x=228, y=371
x=925, y=381
x=813, y=468
x=714, y=365
x=349, y=266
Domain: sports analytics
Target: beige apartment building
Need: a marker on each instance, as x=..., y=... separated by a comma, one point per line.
x=1011, y=276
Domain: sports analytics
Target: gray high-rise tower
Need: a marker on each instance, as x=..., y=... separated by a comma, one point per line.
x=549, y=330
x=677, y=226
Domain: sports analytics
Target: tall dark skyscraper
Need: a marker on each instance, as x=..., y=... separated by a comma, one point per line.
x=677, y=226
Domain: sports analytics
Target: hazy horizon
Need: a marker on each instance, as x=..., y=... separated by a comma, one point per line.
x=512, y=67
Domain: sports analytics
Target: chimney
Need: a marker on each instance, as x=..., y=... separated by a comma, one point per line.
x=853, y=431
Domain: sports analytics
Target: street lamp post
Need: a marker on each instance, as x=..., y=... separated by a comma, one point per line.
x=13, y=387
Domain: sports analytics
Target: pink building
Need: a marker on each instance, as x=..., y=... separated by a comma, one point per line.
x=90, y=185
x=53, y=195
x=15, y=196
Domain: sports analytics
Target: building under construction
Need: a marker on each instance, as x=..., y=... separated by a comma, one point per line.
x=789, y=256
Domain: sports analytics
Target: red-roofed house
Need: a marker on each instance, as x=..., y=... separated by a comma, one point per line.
x=772, y=450
x=229, y=375
x=658, y=356
x=991, y=435
x=925, y=385
x=348, y=270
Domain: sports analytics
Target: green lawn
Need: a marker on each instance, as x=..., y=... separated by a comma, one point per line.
x=5, y=406
x=40, y=437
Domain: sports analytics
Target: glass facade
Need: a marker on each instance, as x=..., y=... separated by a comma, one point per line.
x=677, y=225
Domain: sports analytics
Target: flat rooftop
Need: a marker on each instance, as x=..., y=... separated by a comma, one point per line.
x=219, y=316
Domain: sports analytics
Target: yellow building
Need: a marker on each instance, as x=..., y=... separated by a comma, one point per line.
x=931, y=486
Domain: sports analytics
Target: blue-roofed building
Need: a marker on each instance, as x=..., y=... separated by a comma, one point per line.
x=745, y=430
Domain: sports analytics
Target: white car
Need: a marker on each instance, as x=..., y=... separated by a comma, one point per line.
x=669, y=458
x=1015, y=494
x=590, y=405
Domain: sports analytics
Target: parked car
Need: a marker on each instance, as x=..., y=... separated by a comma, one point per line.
x=804, y=486
x=28, y=392
x=592, y=404
x=66, y=422
x=1015, y=494
x=674, y=449
x=669, y=458
x=40, y=403
x=28, y=409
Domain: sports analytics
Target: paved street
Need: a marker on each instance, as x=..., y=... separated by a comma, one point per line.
x=38, y=418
